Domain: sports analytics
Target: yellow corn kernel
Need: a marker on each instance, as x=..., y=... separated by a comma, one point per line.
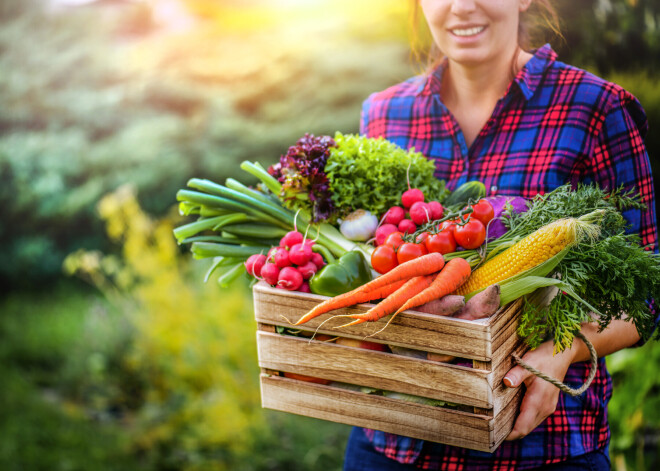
x=527, y=253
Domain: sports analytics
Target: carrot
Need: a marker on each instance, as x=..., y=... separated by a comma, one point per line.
x=424, y=265
x=414, y=285
x=453, y=275
x=349, y=299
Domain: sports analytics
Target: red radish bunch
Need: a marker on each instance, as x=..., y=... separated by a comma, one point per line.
x=407, y=225
x=289, y=265
x=412, y=196
x=254, y=264
x=394, y=215
x=418, y=213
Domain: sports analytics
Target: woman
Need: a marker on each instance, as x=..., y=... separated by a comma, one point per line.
x=523, y=123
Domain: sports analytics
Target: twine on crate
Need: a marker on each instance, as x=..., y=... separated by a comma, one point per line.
x=556, y=382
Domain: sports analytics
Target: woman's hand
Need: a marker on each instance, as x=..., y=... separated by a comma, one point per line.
x=540, y=399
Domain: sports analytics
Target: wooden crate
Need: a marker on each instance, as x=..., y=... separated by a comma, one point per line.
x=486, y=410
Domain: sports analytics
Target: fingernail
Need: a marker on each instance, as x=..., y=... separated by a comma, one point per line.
x=507, y=382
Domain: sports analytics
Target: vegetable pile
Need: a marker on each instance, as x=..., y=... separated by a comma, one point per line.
x=334, y=209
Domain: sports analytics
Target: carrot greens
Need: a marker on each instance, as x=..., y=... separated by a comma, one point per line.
x=611, y=274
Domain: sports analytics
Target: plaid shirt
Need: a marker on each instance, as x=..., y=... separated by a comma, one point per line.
x=555, y=124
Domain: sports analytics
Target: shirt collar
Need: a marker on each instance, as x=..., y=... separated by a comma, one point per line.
x=527, y=80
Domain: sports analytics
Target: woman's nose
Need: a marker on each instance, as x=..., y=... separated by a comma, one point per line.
x=461, y=7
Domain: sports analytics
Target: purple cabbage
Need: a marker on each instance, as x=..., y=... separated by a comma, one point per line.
x=501, y=204
x=301, y=171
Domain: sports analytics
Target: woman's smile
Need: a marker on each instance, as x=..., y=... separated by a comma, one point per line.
x=475, y=32
x=467, y=31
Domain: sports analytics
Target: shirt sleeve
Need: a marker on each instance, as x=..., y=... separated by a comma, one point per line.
x=620, y=159
x=364, y=117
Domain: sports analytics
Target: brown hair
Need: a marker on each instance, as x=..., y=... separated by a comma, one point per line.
x=538, y=24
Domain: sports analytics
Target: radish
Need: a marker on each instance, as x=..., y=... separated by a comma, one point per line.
x=383, y=231
x=304, y=288
x=420, y=213
x=281, y=258
x=300, y=254
x=317, y=259
x=407, y=226
x=307, y=270
x=291, y=238
x=394, y=215
x=289, y=278
x=270, y=256
x=436, y=210
x=411, y=196
x=254, y=263
x=270, y=273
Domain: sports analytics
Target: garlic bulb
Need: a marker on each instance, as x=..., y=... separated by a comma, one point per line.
x=360, y=225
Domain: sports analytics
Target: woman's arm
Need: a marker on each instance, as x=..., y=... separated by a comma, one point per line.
x=541, y=397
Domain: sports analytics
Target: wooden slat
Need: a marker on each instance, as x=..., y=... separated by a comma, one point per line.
x=445, y=382
x=505, y=418
x=381, y=413
x=502, y=358
x=486, y=366
x=411, y=329
x=505, y=316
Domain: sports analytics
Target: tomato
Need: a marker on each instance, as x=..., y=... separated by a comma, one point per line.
x=421, y=238
x=471, y=234
x=443, y=242
x=394, y=240
x=383, y=259
x=450, y=225
x=483, y=211
x=409, y=251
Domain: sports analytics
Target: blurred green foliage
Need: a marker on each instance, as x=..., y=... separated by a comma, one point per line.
x=610, y=35
x=164, y=366
x=89, y=104
x=635, y=408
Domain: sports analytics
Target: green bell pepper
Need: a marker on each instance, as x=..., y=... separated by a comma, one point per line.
x=348, y=272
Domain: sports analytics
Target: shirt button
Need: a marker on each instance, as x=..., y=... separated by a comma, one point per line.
x=493, y=190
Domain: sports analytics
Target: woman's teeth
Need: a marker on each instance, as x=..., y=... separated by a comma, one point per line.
x=468, y=31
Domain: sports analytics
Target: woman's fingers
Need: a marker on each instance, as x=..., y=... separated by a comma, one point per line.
x=539, y=401
x=516, y=376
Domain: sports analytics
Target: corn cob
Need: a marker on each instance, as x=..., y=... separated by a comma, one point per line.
x=528, y=253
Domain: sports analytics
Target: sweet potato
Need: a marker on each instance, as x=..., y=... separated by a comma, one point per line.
x=482, y=304
x=408, y=352
x=444, y=306
x=439, y=357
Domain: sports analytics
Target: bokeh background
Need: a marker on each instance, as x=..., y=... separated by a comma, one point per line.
x=113, y=352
